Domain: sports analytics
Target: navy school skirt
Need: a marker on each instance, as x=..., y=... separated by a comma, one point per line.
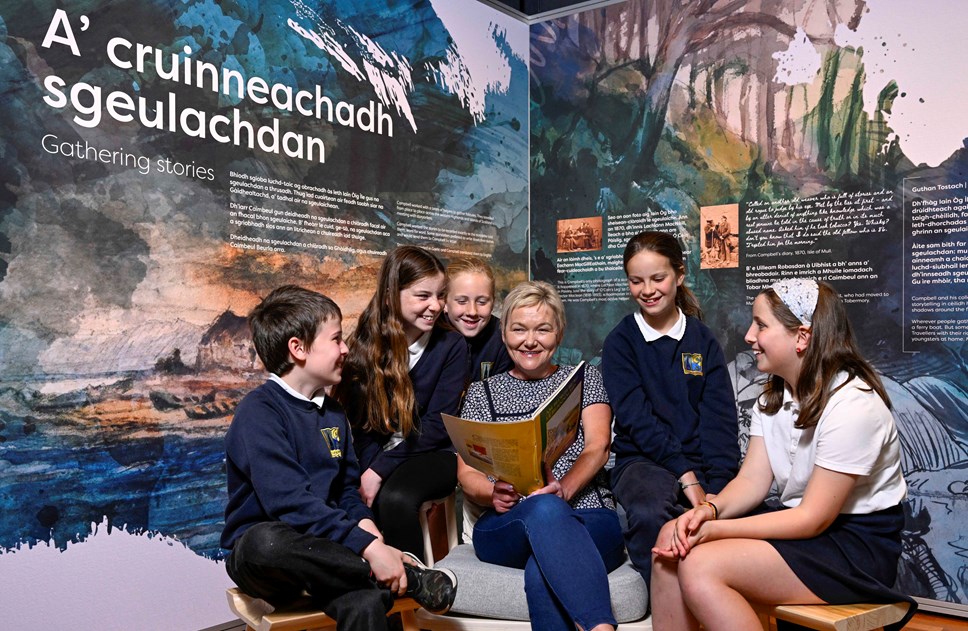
x=854, y=560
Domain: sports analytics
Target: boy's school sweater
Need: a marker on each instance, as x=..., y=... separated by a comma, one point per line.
x=673, y=402
x=289, y=460
x=438, y=381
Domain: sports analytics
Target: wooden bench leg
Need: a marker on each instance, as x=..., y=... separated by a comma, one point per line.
x=764, y=619
x=406, y=608
x=409, y=620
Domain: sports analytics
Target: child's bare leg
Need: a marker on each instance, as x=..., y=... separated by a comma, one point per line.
x=717, y=580
x=669, y=610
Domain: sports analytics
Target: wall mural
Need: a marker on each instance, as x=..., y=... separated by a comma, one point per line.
x=167, y=163
x=778, y=138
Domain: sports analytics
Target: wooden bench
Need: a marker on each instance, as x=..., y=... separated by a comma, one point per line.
x=861, y=617
x=258, y=615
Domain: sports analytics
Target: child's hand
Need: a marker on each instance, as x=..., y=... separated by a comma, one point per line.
x=386, y=563
x=674, y=541
x=370, y=483
x=682, y=534
x=692, y=520
x=665, y=543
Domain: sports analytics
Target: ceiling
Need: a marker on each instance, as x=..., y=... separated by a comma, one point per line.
x=531, y=7
x=534, y=10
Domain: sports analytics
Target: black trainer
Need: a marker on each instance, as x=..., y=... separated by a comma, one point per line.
x=434, y=590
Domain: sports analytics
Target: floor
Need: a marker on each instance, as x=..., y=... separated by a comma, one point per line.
x=922, y=621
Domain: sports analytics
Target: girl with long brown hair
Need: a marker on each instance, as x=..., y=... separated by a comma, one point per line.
x=402, y=371
x=823, y=432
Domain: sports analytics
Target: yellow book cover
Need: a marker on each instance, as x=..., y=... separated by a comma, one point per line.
x=520, y=452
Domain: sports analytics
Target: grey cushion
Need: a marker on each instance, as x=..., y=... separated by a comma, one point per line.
x=494, y=591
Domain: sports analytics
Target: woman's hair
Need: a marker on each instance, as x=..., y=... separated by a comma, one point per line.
x=470, y=265
x=665, y=245
x=831, y=349
x=376, y=390
x=531, y=293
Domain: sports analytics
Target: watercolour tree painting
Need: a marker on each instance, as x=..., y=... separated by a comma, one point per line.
x=832, y=129
x=164, y=165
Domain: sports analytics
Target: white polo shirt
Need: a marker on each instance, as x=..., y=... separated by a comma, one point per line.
x=856, y=434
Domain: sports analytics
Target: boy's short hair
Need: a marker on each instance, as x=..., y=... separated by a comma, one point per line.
x=287, y=312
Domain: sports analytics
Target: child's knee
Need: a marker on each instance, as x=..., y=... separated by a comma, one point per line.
x=263, y=541
x=374, y=601
x=397, y=502
x=360, y=608
x=699, y=571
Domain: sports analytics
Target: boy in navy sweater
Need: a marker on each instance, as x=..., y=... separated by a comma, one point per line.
x=295, y=520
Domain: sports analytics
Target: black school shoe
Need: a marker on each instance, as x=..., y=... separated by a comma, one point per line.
x=434, y=590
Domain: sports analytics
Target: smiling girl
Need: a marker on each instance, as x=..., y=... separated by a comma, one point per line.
x=469, y=307
x=823, y=432
x=402, y=371
x=675, y=414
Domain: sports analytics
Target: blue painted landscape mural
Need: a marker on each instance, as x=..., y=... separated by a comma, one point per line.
x=165, y=164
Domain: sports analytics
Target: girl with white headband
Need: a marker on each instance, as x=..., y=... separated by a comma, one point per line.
x=823, y=431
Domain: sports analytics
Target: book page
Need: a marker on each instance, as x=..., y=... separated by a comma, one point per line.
x=559, y=418
x=506, y=451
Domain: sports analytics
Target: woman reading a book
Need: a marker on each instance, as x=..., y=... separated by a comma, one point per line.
x=565, y=535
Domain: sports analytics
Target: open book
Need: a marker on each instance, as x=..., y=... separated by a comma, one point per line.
x=520, y=451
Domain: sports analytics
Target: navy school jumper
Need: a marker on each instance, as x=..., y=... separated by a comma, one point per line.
x=288, y=460
x=488, y=356
x=669, y=409
x=438, y=381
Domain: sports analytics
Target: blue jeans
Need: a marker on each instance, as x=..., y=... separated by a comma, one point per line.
x=566, y=555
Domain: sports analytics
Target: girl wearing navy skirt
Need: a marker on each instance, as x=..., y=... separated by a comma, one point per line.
x=403, y=369
x=469, y=307
x=822, y=430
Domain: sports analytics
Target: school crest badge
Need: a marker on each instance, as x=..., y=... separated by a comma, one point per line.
x=486, y=370
x=331, y=438
x=692, y=363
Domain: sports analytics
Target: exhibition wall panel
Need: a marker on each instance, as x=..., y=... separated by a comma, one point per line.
x=779, y=139
x=164, y=165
